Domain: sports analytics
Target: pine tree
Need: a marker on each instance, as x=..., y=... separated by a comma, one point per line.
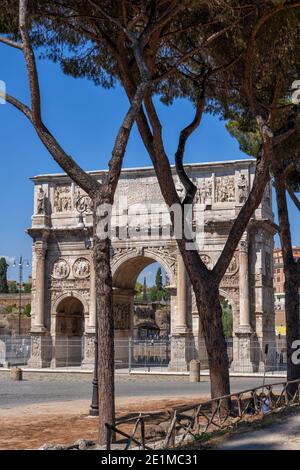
x=145, y=289
x=3, y=276
x=158, y=280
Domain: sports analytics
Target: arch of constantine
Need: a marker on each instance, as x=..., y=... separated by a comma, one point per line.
x=63, y=294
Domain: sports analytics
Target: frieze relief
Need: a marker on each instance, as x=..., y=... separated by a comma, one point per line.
x=62, y=199
x=204, y=191
x=225, y=189
x=67, y=284
x=230, y=281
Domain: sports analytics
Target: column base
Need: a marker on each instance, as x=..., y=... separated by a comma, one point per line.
x=38, y=329
x=182, y=352
x=89, y=351
x=41, y=349
x=242, y=351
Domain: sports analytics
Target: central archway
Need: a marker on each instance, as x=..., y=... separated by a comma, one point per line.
x=125, y=275
x=69, y=332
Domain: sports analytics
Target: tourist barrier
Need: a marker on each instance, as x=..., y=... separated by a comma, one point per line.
x=195, y=421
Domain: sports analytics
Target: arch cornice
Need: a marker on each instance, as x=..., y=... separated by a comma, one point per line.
x=66, y=295
x=164, y=255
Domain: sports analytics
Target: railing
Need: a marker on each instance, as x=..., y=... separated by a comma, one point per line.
x=139, y=424
x=222, y=413
x=155, y=354
x=14, y=350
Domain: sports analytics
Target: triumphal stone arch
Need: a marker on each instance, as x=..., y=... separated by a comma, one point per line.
x=63, y=294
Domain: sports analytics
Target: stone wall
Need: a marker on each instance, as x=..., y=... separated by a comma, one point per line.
x=13, y=299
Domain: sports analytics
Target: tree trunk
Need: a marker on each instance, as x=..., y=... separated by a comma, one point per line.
x=291, y=284
x=211, y=319
x=105, y=321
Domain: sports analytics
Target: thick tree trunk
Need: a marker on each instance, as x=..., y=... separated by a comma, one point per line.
x=291, y=284
x=105, y=321
x=211, y=319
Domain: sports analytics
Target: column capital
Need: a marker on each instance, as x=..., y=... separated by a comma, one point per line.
x=40, y=248
x=40, y=252
x=243, y=245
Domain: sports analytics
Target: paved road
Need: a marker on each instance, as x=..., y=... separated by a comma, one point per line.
x=282, y=435
x=57, y=389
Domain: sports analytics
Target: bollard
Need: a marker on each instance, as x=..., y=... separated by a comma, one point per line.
x=194, y=371
x=16, y=373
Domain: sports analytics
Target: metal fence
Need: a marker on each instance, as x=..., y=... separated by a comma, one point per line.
x=14, y=350
x=140, y=355
x=157, y=355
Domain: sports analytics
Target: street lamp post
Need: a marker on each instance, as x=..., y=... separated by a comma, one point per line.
x=94, y=408
x=21, y=263
x=82, y=207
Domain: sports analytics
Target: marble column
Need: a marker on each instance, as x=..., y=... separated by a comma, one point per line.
x=41, y=346
x=40, y=249
x=90, y=328
x=181, y=323
x=182, y=345
x=244, y=287
x=242, y=341
x=92, y=312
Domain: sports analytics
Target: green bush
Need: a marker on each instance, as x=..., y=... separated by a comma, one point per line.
x=27, y=310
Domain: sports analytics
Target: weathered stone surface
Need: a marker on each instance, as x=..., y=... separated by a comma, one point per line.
x=16, y=373
x=63, y=295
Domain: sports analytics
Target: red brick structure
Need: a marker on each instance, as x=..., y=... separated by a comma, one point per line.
x=279, y=288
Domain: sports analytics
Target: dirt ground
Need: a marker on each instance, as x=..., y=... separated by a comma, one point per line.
x=29, y=427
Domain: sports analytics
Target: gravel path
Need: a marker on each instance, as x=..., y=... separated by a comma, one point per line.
x=283, y=434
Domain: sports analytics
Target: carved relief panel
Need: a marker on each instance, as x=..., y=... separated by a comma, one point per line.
x=61, y=269
x=204, y=191
x=224, y=189
x=81, y=268
x=82, y=202
x=62, y=199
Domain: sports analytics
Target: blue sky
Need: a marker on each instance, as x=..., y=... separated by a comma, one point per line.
x=85, y=120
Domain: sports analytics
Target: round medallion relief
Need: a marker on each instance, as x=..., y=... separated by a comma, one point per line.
x=206, y=260
x=81, y=268
x=233, y=267
x=61, y=269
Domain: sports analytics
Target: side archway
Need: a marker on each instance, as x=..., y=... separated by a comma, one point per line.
x=69, y=320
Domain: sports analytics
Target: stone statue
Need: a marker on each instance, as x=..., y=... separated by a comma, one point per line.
x=40, y=210
x=3, y=276
x=242, y=188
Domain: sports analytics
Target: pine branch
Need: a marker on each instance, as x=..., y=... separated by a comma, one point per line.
x=11, y=43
